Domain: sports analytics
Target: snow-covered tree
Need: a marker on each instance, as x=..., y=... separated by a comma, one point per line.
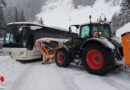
x=2, y=20
x=22, y=16
x=119, y=19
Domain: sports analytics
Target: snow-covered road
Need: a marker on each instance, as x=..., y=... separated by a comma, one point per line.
x=35, y=76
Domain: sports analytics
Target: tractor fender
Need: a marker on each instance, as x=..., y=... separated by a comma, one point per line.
x=66, y=48
x=105, y=43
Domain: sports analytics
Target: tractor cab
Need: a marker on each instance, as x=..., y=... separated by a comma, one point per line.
x=95, y=30
x=99, y=30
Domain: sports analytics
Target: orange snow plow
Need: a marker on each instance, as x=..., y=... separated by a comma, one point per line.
x=48, y=47
x=126, y=48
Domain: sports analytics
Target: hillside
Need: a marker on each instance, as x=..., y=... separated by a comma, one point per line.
x=65, y=12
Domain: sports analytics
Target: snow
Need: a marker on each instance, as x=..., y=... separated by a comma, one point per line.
x=25, y=23
x=62, y=13
x=11, y=70
x=36, y=76
x=122, y=30
x=35, y=23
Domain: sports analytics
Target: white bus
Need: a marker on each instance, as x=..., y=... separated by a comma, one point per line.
x=19, y=38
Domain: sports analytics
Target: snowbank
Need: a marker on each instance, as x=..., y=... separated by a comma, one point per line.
x=122, y=30
x=62, y=13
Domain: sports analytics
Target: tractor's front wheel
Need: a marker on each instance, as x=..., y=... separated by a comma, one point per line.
x=97, y=59
x=62, y=58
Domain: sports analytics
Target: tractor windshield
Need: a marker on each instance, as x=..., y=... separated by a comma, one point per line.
x=101, y=30
x=98, y=30
x=13, y=38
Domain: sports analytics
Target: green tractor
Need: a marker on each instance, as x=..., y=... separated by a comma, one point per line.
x=95, y=48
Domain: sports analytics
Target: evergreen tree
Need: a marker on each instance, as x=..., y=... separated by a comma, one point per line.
x=22, y=16
x=2, y=19
x=3, y=2
x=120, y=19
x=16, y=14
x=41, y=21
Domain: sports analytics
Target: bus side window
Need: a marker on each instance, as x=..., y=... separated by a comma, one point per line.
x=85, y=31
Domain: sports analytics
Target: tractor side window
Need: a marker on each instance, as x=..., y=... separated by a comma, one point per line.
x=85, y=31
x=94, y=29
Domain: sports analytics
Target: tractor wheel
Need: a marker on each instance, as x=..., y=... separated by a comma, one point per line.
x=97, y=59
x=62, y=58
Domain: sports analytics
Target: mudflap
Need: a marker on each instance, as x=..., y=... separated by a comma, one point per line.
x=118, y=59
x=119, y=62
x=117, y=54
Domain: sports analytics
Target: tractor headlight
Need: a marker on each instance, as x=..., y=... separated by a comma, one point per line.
x=101, y=22
x=100, y=33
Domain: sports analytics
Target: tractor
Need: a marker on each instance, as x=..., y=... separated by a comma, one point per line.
x=95, y=48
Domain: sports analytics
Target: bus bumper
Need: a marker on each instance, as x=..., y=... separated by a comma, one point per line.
x=15, y=53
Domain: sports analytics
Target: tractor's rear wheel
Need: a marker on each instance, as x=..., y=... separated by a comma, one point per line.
x=62, y=58
x=97, y=59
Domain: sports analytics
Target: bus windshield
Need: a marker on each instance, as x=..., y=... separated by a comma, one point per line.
x=12, y=37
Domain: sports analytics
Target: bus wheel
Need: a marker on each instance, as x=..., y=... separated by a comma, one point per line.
x=97, y=59
x=62, y=58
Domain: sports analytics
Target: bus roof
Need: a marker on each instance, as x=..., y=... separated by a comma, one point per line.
x=25, y=23
x=54, y=27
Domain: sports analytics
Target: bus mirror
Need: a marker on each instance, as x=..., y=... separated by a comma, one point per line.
x=30, y=42
x=73, y=28
x=20, y=29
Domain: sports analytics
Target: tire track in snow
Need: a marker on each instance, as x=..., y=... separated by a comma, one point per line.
x=66, y=78
x=50, y=77
x=116, y=81
x=44, y=77
x=19, y=78
x=115, y=84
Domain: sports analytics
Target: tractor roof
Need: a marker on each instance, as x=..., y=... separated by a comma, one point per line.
x=86, y=24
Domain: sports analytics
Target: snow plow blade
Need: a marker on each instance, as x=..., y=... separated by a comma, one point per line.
x=126, y=48
x=48, y=47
